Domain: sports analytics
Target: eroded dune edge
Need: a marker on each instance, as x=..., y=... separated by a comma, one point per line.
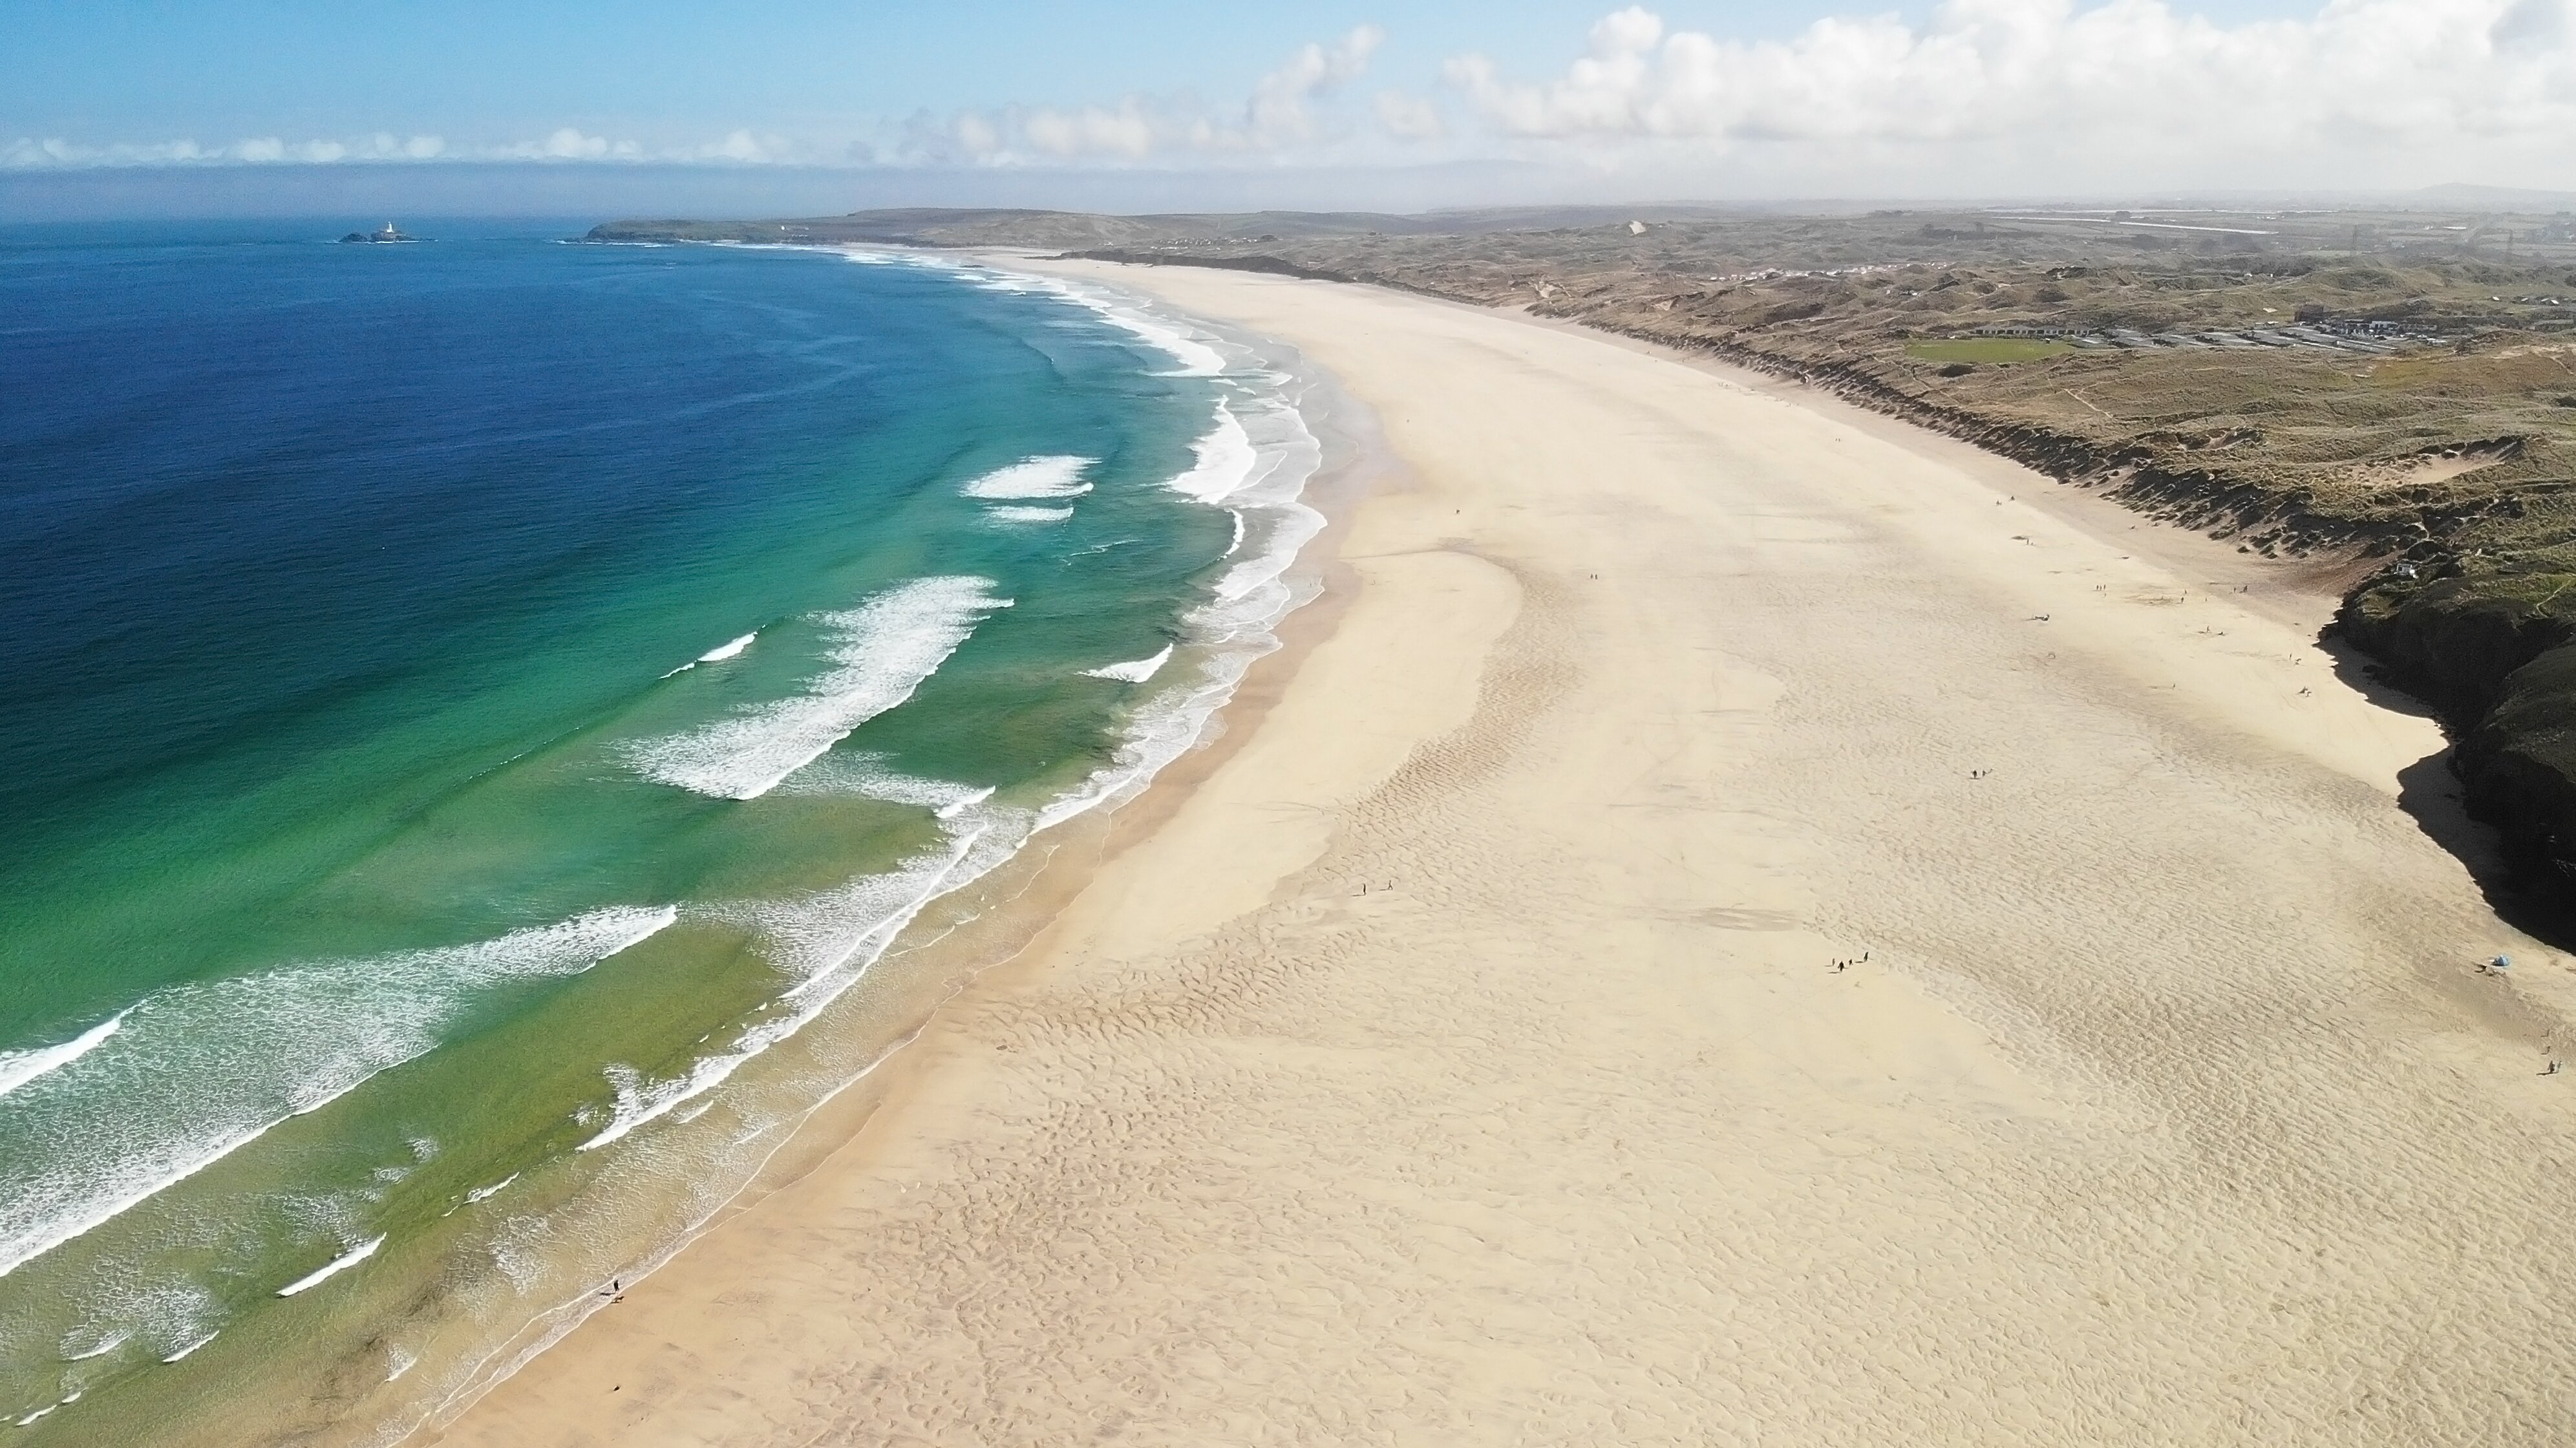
x=1465, y=1057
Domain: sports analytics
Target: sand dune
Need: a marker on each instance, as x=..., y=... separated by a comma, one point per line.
x=1461, y=1061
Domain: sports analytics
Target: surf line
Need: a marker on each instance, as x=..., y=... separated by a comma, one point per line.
x=718, y=654
x=17, y=1068
x=26, y=1241
x=877, y=655
x=1134, y=671
x=334, y=1267
x=642, y=1103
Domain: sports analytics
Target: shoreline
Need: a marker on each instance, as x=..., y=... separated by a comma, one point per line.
x=1036, y=887
x=962, y=1123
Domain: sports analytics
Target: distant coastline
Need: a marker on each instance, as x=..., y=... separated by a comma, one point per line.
x=2436, y=512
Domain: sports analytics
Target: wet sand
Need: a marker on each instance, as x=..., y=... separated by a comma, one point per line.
x=1465, y=1059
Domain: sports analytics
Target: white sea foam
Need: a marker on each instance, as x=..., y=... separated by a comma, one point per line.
x=943, y=798
x=17, y=1068
x=879, y=653
x=1256, y=462
x=1009, y=514
x=1179, y=340
x=485, y=1194
x=1224, y=460
x=101, y=1348
x=828, y=942
x=722, y=652
x=1253, y=460
x=1196, y=357
x=1038, y=477
x=1164, y=730
x=333, y=1268
x=874, y=777
x=224, y=1061
x=1134, y=671
x=192, y=1347
x=718, y=654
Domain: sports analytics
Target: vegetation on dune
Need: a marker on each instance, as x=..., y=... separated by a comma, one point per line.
x=1990, y=351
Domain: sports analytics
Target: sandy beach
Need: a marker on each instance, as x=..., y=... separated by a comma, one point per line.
x=1751, y=928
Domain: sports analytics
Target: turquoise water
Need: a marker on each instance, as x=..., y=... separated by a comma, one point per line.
x=470, y=707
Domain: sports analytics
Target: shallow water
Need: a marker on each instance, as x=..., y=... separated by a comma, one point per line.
x=467, y=702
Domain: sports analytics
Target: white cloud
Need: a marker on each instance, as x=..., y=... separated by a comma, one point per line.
x=1091, y=131
x=1281, y=115
x=2042, y=87
x=1980, y=96
x=1279, y=110
x=1409, y=118
x=737, y=145
x=566, y=143
x=570, y=145
x=979, y=136
x=55, y=153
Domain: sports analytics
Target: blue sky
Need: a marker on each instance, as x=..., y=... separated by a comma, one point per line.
x=105, y=71
x=1959, y=96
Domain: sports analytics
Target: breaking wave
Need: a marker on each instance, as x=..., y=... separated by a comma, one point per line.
x=1028, y=515
x=828, y=942
x=879, y=653
x=1134, y=671
x=17, y=1068
x=1038, y=477
x=718, y=654
x=872, y=776
x=333, y=1268
x=1253, y=461
x=225, y=1061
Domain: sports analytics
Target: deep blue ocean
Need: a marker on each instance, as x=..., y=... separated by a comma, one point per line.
x=477, y=715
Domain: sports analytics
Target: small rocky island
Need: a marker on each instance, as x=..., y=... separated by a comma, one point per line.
x=388, y=234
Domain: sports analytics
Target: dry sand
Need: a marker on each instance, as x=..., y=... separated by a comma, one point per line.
x=1461, y=1061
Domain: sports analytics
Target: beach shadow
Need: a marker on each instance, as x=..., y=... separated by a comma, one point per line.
x=2364, y=675
x=2430, y=792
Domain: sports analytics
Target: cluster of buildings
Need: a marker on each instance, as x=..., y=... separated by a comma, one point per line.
x=2344, y=334
x=1774, y=273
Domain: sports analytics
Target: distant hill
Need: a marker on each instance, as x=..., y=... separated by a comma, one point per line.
x=2456, y=195
x=1075, y=230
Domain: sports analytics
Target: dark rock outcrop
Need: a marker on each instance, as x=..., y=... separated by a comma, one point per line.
x=2497, y=656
